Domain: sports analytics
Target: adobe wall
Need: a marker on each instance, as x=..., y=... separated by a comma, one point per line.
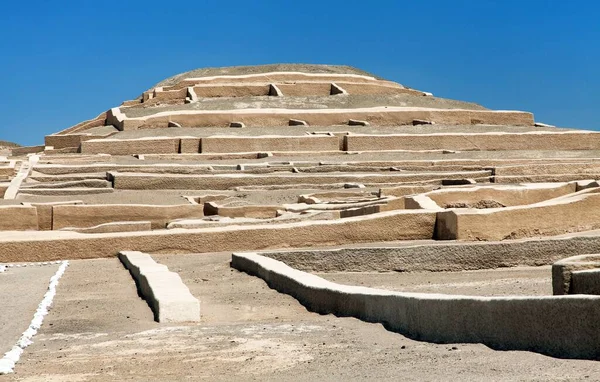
x=376, y=116
x=228, y=144
x=54, y=245
x=164, y=291
x=508, y=196
x=18, y=218
x=547, y=178
x=18, y=151
x=232, y=90
x=354, y=88
x=44, y=212
x=301, y=89
x=189, y=145
x=582, y=167
x=68, y=169
x=541, y=324
x=406, y=190
x=69, y=140
x=83, y=216
x=475, y=141
x=439, y=256
x=100, y=120
x=576, y=275
x=8, y=169
x=123, y=226
x=156, y=145
x=553, y=217
x=131, y=181
x=256, y=212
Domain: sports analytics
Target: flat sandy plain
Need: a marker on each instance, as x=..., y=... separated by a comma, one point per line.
x=99, y=329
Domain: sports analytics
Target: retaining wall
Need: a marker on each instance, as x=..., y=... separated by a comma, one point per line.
x=506, y=195
x=82, y=216
x=387, y=226
x=70, y=140
x=132, y=181
x=576, y=275
x=476, y=141
x=228, y=144
x=155, y=145
x=18, y=218
x=552, y=217
x=377, y=116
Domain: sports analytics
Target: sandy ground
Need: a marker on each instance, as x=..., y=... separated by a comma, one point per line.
x=100, y=329
x=21, y=291
x=496, y=282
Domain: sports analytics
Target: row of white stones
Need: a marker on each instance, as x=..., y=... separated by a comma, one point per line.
x=7, y=363
x=3, y=267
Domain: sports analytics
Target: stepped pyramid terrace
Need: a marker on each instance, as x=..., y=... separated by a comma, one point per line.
x=290, y=220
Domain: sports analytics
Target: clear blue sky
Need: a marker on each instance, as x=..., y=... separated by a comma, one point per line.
x=66, y=61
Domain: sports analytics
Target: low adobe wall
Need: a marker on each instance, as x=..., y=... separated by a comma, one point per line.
x=552, y=217
x=18, y=151
x=45, y=212
x=100, y=120
x=228, y=144
x=277, y=77
x=354, y=88
x=476, y=141
x=8, y=169
x=189, y=145
x=232, y=90
x=541, y=324
x=54, y=245
x=576, y=275
x=82, y=216
x=114, y=227
x=439, y=256
x=582, y=167
x=301, y=89
x=70, y=140
x=59, y=170
x=256, y=212
x=507, y=195
x=376, y=116
x=18, y=218
x=131, y=181
x=155, y=145
x=166, y=294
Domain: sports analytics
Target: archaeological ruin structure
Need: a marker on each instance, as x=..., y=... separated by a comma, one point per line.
x=356, y=196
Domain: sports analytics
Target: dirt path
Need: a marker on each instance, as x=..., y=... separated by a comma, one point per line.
x=101, y=330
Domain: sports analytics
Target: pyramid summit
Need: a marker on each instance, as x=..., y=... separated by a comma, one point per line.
x=237, y=196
